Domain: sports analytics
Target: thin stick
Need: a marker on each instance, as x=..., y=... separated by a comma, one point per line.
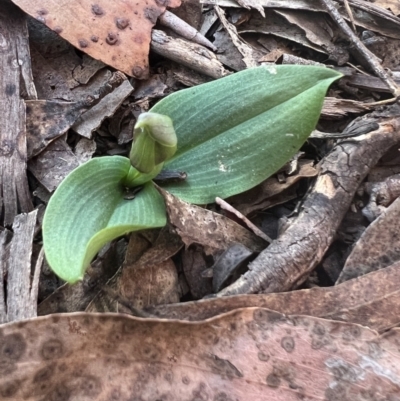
x=226, y=206
x=182, y=28
x=356, y=42
x=350, y=14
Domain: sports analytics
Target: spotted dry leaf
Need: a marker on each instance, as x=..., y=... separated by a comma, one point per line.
x=246, y=354
x=116, y=32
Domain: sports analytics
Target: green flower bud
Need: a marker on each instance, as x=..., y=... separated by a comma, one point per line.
x=154, y=142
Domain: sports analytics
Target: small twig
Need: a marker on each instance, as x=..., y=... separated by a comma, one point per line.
x=356, y=42
x=189, y=54
x=35, y=281
x=182, y=28
x=226, y=206
x=350, y=14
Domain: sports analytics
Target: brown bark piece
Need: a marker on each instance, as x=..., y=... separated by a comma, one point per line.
x=21, y=289
x=338, y=108
x=5, y=236
x=13, y=154
x=378, y=247
x=191, y=55
x=250, y=351
x=197, y=225
x=319, y=31
x=392, y=5
x=371, y=300
x=46, y=120
x=249, y=55
x=287, y=262
x=21, y=293
x=118, y=33
x=52, y=165
x=92, y=119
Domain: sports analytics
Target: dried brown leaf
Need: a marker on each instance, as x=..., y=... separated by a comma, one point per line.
x=271, y=192
x=197, y=225
x=153, y=279
x=118, y=33
x=249, y=352
x=371, y=300
x=378, y=246
x=46, y=120
x=52, y=165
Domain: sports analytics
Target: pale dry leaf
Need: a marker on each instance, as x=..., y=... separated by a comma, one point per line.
x=248, y=353
x=392, y=5
x=117, y=33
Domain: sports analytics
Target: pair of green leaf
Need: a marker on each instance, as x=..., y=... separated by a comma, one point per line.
x=233, y=133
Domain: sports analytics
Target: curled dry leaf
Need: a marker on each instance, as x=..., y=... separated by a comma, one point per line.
x=115, y=32
x=248, y=353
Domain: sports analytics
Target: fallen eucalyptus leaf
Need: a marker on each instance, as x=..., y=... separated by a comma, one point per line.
x=118, y=32
x=351, y=302
x=246, y=354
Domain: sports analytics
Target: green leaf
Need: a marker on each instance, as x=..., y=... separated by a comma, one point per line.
x=235, y=132
x=88, y=210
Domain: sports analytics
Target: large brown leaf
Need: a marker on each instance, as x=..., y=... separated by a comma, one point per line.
x=371, y=300
x=116, y=32
x=248, y=354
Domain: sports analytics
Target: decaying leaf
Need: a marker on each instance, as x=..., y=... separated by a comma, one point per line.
x=153, y=279
x=72, y=298
x=352, y=302
x=46, y=120
x=54, y=164
x=105, y=300
x=197, y=225
x=194, y=263
x=118, y=33
x=378, y=247
x=246, y=353
x=249, y=54
x=271, y=192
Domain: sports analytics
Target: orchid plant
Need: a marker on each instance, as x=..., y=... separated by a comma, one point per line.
x=227, y=136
